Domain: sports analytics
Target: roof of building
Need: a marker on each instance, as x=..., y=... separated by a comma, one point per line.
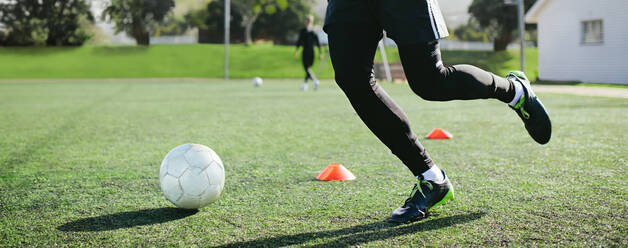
x=533, y=14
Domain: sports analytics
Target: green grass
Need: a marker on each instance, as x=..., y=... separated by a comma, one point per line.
x=80, y=160
x=206, y=61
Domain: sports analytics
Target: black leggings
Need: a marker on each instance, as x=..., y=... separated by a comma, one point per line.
x=353, y=46
x=308, y=61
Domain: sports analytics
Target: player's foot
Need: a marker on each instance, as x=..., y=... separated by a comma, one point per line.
x=531, y=110
x=304, y=87
x=316, y=83
x=425, y=195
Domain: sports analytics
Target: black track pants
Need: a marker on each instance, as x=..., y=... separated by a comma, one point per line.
x=433, y=81
x=352, y=48
x=308, y=60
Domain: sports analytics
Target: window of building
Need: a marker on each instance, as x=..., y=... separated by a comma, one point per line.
x=592, y=32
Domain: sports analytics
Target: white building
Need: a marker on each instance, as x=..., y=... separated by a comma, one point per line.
x=582, y=40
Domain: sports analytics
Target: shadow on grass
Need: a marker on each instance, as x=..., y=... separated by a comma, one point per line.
x=360, y=234
x=126, y=220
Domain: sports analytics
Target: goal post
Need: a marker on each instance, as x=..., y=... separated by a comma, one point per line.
x=382, y=51
x=227, y=28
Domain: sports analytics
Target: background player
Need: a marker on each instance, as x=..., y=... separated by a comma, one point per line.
x=308, y=39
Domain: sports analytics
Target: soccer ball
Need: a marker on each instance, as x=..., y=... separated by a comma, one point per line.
x=192, y=176
x=257, y=81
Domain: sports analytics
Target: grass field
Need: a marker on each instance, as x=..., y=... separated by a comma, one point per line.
x=205, y=61
x=80, y=160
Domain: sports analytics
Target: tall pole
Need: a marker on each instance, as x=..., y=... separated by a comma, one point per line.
x=382, y=50
x=521, y=34
x=227, y=28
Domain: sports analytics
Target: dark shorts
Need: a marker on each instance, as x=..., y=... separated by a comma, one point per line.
x=405, y=21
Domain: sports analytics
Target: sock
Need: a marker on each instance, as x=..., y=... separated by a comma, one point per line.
x=434, y=174
x=518, y=93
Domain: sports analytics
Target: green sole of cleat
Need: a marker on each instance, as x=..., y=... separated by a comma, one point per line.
x=449, y=196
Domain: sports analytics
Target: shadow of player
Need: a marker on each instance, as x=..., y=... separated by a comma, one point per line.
x=126, y=219
x=355, y=235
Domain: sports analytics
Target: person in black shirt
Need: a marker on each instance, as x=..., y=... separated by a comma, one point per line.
x=308, y=39
x=355, y=28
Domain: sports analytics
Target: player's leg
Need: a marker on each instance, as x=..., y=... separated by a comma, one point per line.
x=308, y=75
x=352, y=47
x=415, y=25
x=432, y=80
x=353, y=37
x=314, y=78
x=307, y=60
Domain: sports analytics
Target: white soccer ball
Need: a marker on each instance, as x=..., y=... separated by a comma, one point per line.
x=257, y=81
x=192, y=176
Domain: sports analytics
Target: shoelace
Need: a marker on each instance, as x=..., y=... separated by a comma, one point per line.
x=519, y=106
x=417, y=188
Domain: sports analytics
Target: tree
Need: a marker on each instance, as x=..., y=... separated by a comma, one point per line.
x=471, y=31
x=250, y=10
x=210, y=22
x=50, y=22
x=172, y=25
x=498, y=19
x=283, y=26
x=137, y=17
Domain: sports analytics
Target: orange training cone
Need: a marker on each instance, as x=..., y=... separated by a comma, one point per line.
x=335, y=172
x=438, y=133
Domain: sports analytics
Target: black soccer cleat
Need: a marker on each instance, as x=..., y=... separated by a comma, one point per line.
x=425, y=195
x=531, y=110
